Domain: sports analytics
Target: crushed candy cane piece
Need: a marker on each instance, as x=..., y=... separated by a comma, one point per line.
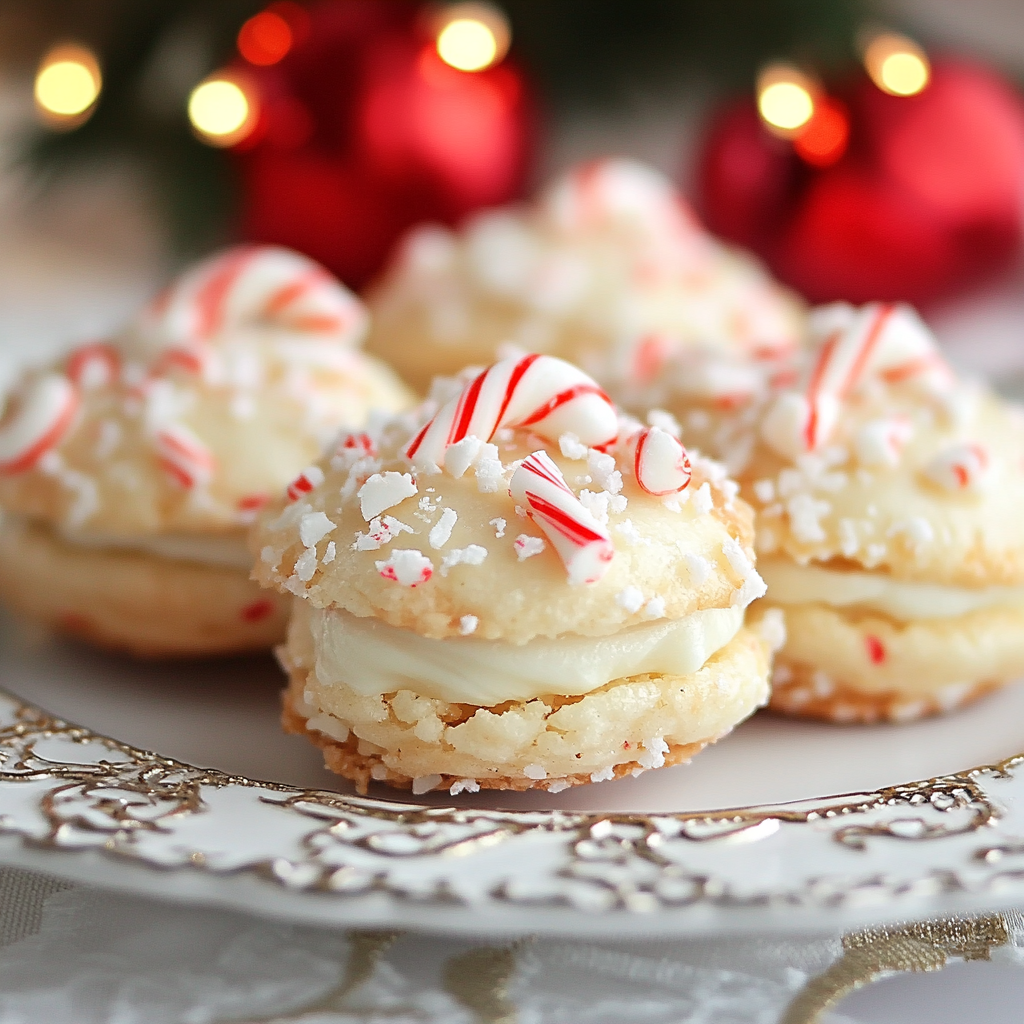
x=527, y=546
x=35, y=421
x=406, y=566
x=660, y=462
x=381, y=531
x=308, y=480
x=383, y=491
x=313, y=527
x=185, y=459
x=442, y=529
x=960, y=467
x=474, y=554
x=581, y=542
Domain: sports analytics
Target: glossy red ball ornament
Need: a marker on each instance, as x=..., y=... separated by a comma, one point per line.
x=364, y=131
x=924, y=199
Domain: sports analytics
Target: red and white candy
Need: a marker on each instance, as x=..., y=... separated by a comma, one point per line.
x=37, y=419
x=256, y=285
x=94, y=365
x=184, y=457
x=546, y=394
x=889, y=343
x=308, y=480
x=581, y=542
x=660, y=462
x=960, y=467
x=880, y=339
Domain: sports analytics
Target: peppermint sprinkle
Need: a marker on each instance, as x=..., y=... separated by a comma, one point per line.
x=329, y=553
x=381, y=531
x=499, y=527
x=313, y=527
x=702, y=500
x=472, y=555
x=468, y=624
x=571, y=447
x=442, y=530
x=406, y=566
x=631, y=599
x=383, y=491
x=527, y=546
x=655, y=608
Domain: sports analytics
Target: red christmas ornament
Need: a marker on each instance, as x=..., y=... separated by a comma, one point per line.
x=364, y=131
x=885, y=197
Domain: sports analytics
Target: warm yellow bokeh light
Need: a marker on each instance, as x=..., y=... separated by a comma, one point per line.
x=67, y=84
x=219, y=111
x=904, y=73
x=897, y=65
x=467, y=44
x=786, y=105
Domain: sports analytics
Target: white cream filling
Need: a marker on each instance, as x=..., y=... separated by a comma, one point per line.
x=230, y=551
x=374, y=658
x=789, y=583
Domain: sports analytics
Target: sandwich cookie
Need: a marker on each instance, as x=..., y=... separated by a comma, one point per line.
x=131, y=471
x=888, y=529
x=515, y=587
x=608, y=268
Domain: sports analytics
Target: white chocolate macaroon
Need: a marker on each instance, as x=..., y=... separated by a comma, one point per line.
x=131, y=472
x=888, y=495
x=487, y=595
x=608, y=268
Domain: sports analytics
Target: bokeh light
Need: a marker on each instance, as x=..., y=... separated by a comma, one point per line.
x=896, y=64
x=823, y=140
x=785, y=98
x=222, y=109
x=265, y=38
x=472, y=37
x=67, y=85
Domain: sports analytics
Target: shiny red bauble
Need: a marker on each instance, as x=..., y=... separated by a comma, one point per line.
x=926, y=200
x=363, y=131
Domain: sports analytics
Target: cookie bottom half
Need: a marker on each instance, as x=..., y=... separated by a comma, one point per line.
x=844, y=665
x=625, y=727
x=149, y=606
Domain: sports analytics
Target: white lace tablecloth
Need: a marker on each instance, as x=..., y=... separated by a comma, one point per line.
x=74, y=955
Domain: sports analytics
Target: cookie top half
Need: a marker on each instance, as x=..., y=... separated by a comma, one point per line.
x=515, y=503
x=608, y=269
x=868, y=451
x=202, y=409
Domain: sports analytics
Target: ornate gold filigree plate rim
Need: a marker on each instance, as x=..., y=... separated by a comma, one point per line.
x=950, y=842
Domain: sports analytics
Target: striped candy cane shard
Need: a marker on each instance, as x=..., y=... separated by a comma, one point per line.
x=881, y=442
x=406, y=566
x=36, y=420
x=881, y=341
x=660, y=462
x=356, y=442
x=960, y=467
x=308, y=480
x=546, y=394
x=794, y=424
x=94, y=365
x=185, y=459
x=583, y=545
x=256, y=285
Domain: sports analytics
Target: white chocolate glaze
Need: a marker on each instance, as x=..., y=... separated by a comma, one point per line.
x=375, y=658
x=792, y=584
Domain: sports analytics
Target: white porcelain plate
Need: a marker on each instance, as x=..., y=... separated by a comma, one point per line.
x=652, y=855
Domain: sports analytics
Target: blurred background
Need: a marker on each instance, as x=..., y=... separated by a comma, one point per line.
x=863, y=150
